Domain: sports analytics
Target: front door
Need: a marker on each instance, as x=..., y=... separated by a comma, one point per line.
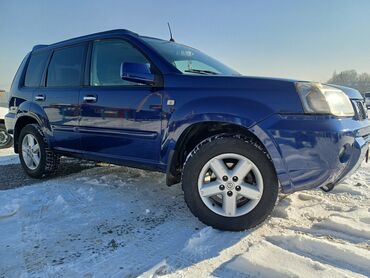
x=120, y=120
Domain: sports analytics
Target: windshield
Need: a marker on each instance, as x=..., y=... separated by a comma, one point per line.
x=189, y=60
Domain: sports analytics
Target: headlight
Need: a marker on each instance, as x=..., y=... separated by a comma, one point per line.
x=323, y=99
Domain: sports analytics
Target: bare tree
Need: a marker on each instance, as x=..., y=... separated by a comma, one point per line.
x=351, y=78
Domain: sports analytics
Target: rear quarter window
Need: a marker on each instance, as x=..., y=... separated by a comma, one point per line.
x=35, y=69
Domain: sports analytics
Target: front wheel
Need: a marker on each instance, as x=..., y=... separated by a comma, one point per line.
x=230, y=183
x=36, y=158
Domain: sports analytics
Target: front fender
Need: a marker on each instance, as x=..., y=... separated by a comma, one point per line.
x=237, y=111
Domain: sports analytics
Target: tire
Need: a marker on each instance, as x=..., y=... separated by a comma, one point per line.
x=6, y=140
x=260, y=183
x=48, y=161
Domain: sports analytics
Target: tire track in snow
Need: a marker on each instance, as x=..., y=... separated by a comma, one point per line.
x=355, y=231
x=265, y=259
x=324, y=251
x=33, y=251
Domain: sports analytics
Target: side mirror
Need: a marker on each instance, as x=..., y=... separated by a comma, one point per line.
x=136, y=72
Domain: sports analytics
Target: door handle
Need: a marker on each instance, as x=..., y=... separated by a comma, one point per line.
x=40, y=98
x=90, y=98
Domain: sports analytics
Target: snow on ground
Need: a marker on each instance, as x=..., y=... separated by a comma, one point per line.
x=7, y=156
x=119, y=222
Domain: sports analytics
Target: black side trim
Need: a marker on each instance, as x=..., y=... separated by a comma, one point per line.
x=107, y=131
x=125, y=132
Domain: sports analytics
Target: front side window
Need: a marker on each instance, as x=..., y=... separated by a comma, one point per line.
x=189, y=60
x=107, y=57
x=35, y=68
x=65, y=68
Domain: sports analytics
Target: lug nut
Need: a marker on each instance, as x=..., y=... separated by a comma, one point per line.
x=229, y=193
x=224, y=178
x=222, y=187
x=235, y=179
x=238, y=188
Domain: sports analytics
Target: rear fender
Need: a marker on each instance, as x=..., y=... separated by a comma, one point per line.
x=34, y=111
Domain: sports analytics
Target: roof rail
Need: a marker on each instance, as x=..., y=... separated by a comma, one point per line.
x=115, y=31
x=38, y=46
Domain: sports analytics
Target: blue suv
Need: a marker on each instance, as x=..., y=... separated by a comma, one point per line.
x=232, y=141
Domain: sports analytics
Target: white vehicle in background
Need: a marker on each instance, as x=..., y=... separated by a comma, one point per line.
x=367, y=100
x=6, y=140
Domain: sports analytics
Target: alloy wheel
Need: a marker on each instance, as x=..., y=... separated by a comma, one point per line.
x=31, y=151
x=230, y=185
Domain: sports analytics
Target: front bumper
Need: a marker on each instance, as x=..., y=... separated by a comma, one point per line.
x=360, y=153
x=309, y=151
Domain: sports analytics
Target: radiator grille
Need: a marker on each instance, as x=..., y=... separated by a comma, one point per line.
x=360, y=108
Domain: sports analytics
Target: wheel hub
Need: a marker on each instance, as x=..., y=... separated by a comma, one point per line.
x=230, y=185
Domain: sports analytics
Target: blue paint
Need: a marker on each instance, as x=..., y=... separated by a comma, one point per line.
x=135, y=126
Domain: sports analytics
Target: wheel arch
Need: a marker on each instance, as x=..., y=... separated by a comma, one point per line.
x=30, y=113
x=21, y=122
x=195, y=134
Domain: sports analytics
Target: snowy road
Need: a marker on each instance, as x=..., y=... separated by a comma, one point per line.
x=112, y=221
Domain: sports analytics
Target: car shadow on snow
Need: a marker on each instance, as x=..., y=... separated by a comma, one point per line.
x=13, y=176
x=147, y=228
x=206, y=244
x=113, y=221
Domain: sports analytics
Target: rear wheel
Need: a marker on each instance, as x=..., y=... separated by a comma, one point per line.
x=230, y=183
x=6, y=140
x=36, y=158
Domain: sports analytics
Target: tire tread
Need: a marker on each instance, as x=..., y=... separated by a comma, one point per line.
x=52, y=159
x=198, y=150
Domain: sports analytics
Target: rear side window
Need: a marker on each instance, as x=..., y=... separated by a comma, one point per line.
x=106, y=60
x=35, y=69
x=65, y=68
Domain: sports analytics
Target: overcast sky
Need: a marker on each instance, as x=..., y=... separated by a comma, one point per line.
x=288, y=38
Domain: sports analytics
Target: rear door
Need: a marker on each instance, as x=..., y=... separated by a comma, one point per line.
x=59, y=97
x=119, y=119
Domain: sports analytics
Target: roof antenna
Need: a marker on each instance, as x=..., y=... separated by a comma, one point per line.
x=169, y=28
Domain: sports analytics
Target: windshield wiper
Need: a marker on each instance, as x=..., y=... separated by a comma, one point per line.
x=201, y=71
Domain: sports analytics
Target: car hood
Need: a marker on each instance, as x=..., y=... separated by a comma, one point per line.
x=245, y=82
x=228, y=82
x=350, y=92
x=270, y=94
